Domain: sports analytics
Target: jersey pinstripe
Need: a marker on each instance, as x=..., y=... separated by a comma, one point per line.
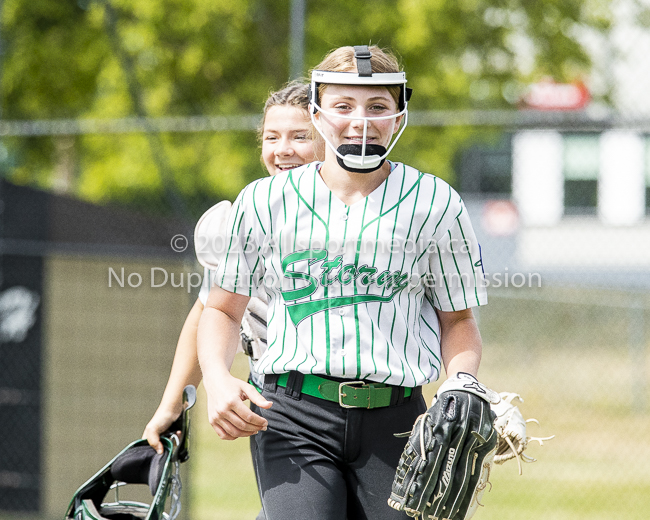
x=346, y=284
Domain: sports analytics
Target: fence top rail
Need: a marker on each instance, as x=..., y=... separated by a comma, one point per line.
x=585, y=120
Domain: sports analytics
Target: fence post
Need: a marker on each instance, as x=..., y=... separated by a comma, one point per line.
x=636, y=351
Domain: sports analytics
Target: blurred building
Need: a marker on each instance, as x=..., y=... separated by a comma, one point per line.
x=571, y=205
x=579, y=188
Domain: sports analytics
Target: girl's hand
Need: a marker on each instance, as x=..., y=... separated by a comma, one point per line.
x=159, y=424
x=228, y=414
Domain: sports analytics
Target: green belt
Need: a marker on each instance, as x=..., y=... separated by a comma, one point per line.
x=349, y=394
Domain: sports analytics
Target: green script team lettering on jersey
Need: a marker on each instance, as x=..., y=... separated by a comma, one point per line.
x=334, y=272
x=352, y=289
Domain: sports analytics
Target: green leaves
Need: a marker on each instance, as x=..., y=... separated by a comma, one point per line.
x=218, y=57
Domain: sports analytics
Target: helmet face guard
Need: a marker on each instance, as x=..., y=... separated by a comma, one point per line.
x=362, y=158
x=139, y=463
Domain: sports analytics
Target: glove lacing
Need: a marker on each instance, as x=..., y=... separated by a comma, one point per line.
x=482, y=485
x=522, y=457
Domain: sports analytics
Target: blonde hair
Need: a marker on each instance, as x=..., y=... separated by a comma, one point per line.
x=343, y=60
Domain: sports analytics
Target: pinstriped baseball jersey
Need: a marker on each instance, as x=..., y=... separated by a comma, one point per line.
x=346, y=284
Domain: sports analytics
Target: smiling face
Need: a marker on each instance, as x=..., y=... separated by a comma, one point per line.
x=287, y=139
x=357, y=101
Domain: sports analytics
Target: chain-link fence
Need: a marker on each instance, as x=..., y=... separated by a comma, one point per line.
x=97, y=276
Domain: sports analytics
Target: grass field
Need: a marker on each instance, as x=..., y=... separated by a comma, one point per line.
x=575, y=370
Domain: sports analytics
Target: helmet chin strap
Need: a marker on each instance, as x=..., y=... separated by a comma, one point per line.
x=351, y=157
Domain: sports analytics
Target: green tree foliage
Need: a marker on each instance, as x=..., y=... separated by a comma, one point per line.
x=118, y=58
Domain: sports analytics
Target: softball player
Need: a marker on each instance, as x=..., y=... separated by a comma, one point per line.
x=346, y=251
x=287, y=142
